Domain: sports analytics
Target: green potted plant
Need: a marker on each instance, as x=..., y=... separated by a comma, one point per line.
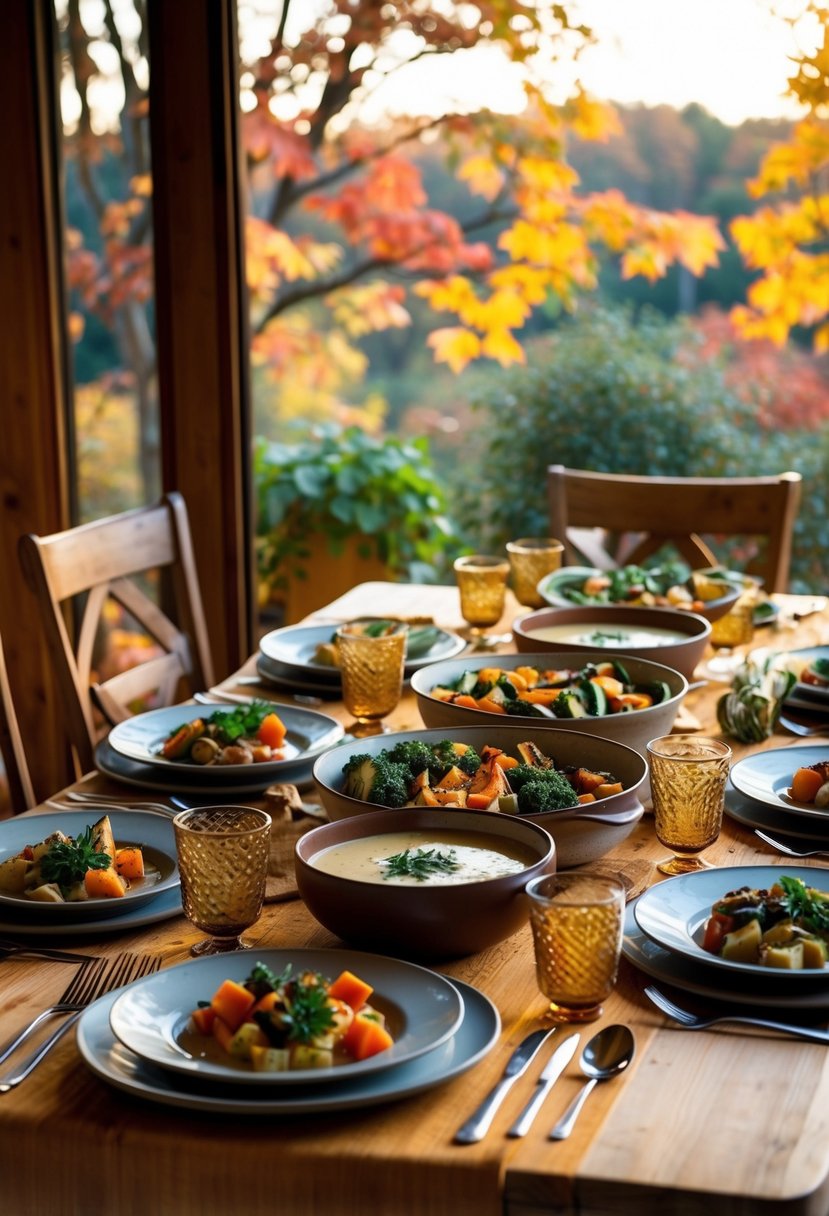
x=343, y=507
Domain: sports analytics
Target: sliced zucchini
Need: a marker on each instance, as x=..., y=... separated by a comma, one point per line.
x=509, y=690
x=569, y=705
x=467, y=681
x=620, y=671
x=658, y=690
x=594, y=698
x=527, y=709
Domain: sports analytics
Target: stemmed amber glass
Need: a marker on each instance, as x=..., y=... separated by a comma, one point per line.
x=371, y=667
x=688, y=779
x=482, y=583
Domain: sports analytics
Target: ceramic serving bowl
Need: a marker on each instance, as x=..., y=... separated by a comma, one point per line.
x=419, y=920
x=557, y=589
x=582, y=833
x=680, y=646
x=634, y=729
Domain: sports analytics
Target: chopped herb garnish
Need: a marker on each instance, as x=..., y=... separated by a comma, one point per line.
x=67, y=862
x=420, y=863
x=309, y=1013
x=598, y=636
x=805, y=905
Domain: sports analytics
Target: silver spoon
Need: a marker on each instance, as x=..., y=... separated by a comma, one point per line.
x=606, y=1055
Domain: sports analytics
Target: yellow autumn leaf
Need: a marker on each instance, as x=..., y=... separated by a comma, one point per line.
x=483, y=176
x=592, y=119
x=699, y=242
x=142, y=184
x=547, y=175
x=501, y=345
x=647, y=259
x=610, y=218
x=505, y=309
x=455, y=346
x=448, y=295
x=821, y=340
x=531, y=283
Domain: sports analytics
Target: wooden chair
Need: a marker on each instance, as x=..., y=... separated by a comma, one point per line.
x=644, y=514
x=101, y=562
x=18, y=779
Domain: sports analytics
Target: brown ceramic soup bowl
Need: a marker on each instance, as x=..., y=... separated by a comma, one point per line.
x=424, y=921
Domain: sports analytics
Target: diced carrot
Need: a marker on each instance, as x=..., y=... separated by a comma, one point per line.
x=586, y=798
x=516, y=680
x=479, y=802
x=232, y=1002
x=203, y=1019
x=606, y=790
x=350, y=988
x=585, y=780
x=490, y=675
x=365, y=1038
x=272, y=731
x=528, y=674
x=129, y=862
x=443, y=694
x=264, y=1005
x=490, y=707
x=632, y=700
x=613, y=687
x=541, y=696
x=805, y=784
x=104, y=884
x=507, y=762
x=465, y=700
x=222, y=1033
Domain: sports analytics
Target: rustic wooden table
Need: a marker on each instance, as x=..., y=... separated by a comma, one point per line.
x=722, y=1122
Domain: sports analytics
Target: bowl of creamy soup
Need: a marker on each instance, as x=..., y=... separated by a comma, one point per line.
x=422, y=882
x=676, y=639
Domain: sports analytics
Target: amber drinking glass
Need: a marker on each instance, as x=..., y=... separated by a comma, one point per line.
x=371, y=667
x=223, y=862
x=482, y=583
x=688, y=778
x=530, y=559
x=577, y=922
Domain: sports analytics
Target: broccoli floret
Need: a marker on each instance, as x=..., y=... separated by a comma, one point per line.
x=414, y=754
x=540, y=789
x=547, y=793
x=444, y=757
x=377, y=779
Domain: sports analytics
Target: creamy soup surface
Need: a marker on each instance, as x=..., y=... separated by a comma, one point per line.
x=608, y=636
x=440, y=858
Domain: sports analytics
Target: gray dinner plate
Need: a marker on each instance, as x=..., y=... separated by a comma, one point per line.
x=291, y=652
x=189, y=781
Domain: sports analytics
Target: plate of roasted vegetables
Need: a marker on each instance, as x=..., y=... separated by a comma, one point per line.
x=793, y=779
x=709, y=593
x=287, y=1017
x=55, y=868
x=761, y=920
x=310, y=651
x=228, y=742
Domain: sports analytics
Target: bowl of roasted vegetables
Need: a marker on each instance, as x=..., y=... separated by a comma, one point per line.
x=710, y=593
x=423, y=882
x=54, y=867
x=584, y=789
x=677, y=639
x=616, y=697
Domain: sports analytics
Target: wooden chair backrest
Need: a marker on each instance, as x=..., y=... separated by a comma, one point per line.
x=644, y=514
x=101, y=561
x=18, y=779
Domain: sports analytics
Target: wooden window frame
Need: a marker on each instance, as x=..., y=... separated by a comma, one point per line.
x=201, y=330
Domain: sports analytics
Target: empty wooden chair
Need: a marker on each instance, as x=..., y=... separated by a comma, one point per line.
x=100, y=564
x=614, y=519
x=18, y=778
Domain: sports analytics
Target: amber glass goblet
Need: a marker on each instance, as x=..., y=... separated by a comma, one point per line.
x=688, y=779
x=371, y=667
x=223, y=863
x=530, y=559
x=482, y=583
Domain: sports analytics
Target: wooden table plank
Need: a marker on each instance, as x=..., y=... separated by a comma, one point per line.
x=724, y=1123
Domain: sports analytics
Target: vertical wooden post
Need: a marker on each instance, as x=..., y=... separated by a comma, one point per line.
x=35, y=447
x=200, y=302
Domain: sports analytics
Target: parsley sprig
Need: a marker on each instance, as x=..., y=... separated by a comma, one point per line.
x=420, y=863
x=308, y=1011
x=805, y=905
x=67, y=862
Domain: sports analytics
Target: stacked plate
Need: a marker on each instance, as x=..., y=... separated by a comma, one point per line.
x=142, y=905
x=663, y=936
x=137, y=1039
x=287, y=659
x=758, y=796
x=132, y=753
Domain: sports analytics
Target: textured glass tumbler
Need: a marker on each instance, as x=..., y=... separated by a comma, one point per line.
x=223, y=862
x=688, y=778
x=482, y=583
x=530, y=559
x=372, y=674
x=577, y=922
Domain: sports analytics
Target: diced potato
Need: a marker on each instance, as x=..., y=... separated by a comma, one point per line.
x=789, y=957
x=742, y=945
x=248, y=1036
x=780, y=934
x=815, y=952
x=40, y=850
x=270, y=1059
x=13, y=874
x=46, y=893
x=373, y=1015
x=305, y=1056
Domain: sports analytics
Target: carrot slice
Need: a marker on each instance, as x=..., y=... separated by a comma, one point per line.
x=203, y=1019
x=232, y=1003
x=365, y=1038
x=272, y=731
x=805, y=785
x=104, y=884
x=129, y=862
x=350, y=988
x=222, y=1033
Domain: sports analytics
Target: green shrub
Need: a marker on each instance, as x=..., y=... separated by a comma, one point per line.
x=344, y=483
x=613, y=395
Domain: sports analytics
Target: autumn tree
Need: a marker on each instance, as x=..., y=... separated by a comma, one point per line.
x=785, y=240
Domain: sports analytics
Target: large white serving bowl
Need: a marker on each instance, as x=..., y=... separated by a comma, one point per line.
x=634, y=729
x=581, y=834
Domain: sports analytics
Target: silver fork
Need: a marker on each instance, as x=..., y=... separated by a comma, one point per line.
x=692, y=1022
x=803, y=728
x=104, y=802
x=8, y=949
x=89, y=983
x=787, y=849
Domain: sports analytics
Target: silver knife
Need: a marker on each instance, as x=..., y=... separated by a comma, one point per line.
x=478, y=1124
x=553, y=1069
